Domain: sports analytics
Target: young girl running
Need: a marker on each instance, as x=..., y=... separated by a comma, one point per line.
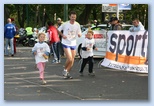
x=41, y=51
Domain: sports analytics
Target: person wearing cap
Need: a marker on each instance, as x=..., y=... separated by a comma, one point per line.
x=9, y=33
x=110, y=24
x=94, y=23
x=116, y=24
x=59, y=22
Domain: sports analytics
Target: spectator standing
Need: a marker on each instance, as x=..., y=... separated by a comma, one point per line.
x=59, y=23
x=9, y=33
x=54, y=41
x=95, y=23
x=110, y=24
x=29, y=32
x=41, y=52
x=137, y=26
x=114, y=24
x=71, y=29
x=87, y=53
x=14, y=40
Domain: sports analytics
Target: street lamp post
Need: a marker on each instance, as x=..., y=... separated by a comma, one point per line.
x=27, y=15
x=54, y=17
x=65, y=12
x=118, y=11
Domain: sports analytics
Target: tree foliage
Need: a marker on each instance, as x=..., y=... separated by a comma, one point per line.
x=36, y=15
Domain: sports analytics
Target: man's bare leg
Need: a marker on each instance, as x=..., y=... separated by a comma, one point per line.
x=70, y=54
x=73, y=56
x=68, y=57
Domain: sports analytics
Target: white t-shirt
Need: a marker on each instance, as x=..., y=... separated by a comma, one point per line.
x=89, y=43
x=71, y=31
x=40, y=48
x=140, y=27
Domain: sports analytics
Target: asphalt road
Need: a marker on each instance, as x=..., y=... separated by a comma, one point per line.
x=21, y=81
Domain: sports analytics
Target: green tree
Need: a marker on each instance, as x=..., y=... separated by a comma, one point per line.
x=36, y=15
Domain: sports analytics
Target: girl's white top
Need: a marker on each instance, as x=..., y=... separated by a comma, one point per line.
x=40, y=48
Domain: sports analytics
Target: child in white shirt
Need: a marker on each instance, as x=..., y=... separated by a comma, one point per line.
x=41, y=51
x=87, y=52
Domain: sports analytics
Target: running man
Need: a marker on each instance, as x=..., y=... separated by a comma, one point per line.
x=71, y=29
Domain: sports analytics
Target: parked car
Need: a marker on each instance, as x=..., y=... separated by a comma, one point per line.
x=100, y=36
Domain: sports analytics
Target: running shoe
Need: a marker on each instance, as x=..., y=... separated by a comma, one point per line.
x=44, y=82
x=81, y=74
x=64, y=72
x=91, y=74
x=68, y=76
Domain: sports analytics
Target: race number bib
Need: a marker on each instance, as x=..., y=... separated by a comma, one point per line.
x=71, y=35
x=40, y=52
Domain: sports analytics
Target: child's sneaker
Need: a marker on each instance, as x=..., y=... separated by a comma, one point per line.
x=55, y=61
x=59, y=61
x=81, y=74
x=44, y=82
x=91, y=74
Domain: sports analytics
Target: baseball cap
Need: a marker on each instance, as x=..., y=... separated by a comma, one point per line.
x=113, y=19
x=58, y=19
x=95, y=20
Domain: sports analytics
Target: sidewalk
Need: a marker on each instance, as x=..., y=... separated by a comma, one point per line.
x=21, y=81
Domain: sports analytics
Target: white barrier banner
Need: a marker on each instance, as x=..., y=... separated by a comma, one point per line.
x=100, y=39
x=127, y=51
